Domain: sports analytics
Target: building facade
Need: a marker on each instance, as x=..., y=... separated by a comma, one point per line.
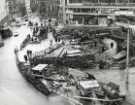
x=45, y=8
x=13, y=8
x=3, y=11
x=94, y=12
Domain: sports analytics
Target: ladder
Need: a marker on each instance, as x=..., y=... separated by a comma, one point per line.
x=28, y=9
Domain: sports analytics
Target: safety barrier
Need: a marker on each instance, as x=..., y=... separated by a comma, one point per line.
x=75, y=100
x=97, y=99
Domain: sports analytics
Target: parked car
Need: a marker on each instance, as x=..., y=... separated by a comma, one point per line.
x=38, y=70
x=86, y=83
x=5, y=32
x=112, y=92
x=15, y=34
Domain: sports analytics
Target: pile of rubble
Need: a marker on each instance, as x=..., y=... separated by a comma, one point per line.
x=71, y=83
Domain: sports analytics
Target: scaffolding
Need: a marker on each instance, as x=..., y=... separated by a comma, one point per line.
x=86, y=10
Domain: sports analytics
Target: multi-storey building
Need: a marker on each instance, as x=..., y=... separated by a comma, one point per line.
x=46, y=8
x=94, y=12
x=3, y=11
x=12, y=8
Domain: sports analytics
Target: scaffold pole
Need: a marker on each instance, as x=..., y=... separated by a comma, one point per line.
x=127, y=64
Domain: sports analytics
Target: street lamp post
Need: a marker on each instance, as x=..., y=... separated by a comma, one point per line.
x=127, y=64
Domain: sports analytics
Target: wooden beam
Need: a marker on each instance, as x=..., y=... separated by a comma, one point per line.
x=106, y=7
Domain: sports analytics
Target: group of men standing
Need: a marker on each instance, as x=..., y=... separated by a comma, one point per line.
x=41, y=30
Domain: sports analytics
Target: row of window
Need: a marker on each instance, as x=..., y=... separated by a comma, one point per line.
x=101, y=1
